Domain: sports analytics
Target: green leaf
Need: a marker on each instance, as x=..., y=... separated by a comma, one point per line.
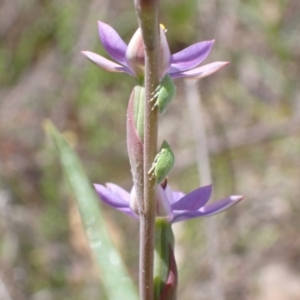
x=116, y=280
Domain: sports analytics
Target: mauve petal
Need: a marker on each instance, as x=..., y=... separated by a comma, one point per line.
x=127, y=211
x=163, y=206
x=104, y=63
x=165, y=54
x=113, y=199
x=207, y=210
x=194, y=200
x=220, y=205
x=112, y=42
x=202, y=71
x=135, y=54
x=110, y=197
x=123, y=194
x=190, y=57
x=169, y=193
x=177, y=196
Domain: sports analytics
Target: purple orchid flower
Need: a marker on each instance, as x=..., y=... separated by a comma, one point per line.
x=176, y=206
x=130, y=59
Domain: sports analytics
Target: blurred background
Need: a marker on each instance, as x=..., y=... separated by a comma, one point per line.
x=252, y=117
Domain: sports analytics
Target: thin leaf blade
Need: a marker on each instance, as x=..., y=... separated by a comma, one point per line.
x=116, y=280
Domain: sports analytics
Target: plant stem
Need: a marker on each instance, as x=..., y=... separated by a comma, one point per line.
x=147, y=11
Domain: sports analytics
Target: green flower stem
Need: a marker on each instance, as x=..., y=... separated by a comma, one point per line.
x=147, y=11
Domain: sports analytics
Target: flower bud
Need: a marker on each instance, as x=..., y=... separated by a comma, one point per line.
x=135, y=149
x=165, y=270
x=170, y=288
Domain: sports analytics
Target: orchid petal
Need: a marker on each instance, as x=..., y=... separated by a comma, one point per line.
x=165, y=54
x=194, y=200
x=110, y=197
x=202, y=71
x=163, y=206
x=177, y=195
x=112, y=42
x=113, y=199
x=220, y=205
x=135, y=54
x=170, y=194
x=208, y=210
x=123, y=194
x=104, y=63
x=190, y=57
x=127, y=211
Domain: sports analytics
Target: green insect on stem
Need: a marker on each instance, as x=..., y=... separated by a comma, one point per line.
x=164, y=93
x=163, y=162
